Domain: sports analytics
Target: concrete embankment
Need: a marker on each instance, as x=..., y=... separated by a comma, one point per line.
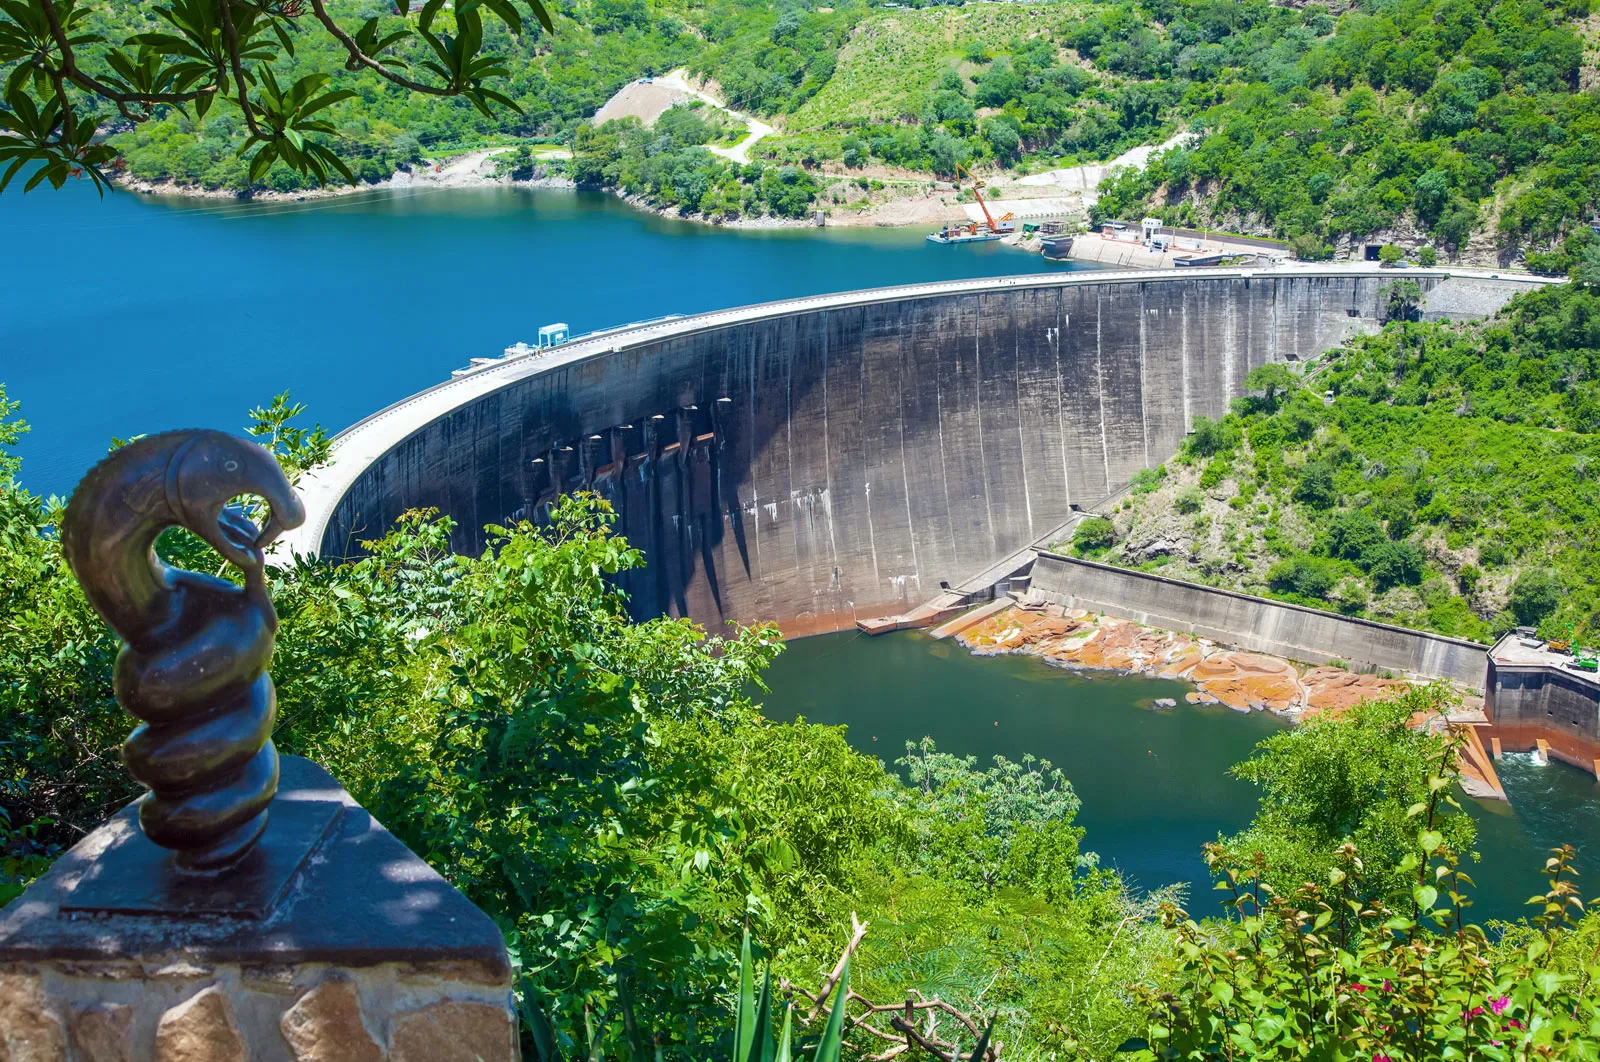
x=1256, y=624
x=1129, y=253
x=1538, y=700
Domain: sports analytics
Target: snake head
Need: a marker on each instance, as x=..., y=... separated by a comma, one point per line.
x=213, y=469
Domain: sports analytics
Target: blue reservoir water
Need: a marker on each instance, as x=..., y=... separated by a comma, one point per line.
x=134, y=315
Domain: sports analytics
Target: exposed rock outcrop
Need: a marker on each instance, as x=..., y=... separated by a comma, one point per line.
x=1242, y=681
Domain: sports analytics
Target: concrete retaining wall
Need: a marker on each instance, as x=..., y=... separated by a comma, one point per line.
x=1546, y=699
x=832, y=457
x=1254, y=623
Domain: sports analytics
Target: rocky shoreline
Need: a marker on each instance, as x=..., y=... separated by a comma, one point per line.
x=476, y=171
x=1077, y=640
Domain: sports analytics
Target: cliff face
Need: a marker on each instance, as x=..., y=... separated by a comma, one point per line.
x=818, y=462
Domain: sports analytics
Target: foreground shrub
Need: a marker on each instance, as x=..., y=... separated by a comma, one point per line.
x=1319, y=974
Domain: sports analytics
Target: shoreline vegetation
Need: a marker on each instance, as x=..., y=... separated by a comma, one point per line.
x=475, y=169
x=1455, y=132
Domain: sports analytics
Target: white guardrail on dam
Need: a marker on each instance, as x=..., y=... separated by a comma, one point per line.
x=358, y=446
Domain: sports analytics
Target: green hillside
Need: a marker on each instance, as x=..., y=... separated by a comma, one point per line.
x=890, y=68
x=1450, y=484
x=1471, y=128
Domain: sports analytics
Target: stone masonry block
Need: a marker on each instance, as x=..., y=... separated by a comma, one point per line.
x=326, y=1026
x=102, y=1032
x=452, y=1031
x=201, y=1029
x=29, y=1030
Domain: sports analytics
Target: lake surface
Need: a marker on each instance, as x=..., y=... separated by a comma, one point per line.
x=1154, y=783
x=188, y=312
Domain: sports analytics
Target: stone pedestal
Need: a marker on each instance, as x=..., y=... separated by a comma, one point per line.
x=364, y=954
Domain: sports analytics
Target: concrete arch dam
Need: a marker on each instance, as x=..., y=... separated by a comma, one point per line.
x=821, y=459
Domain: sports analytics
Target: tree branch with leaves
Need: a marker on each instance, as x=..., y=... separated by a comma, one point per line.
x=63, y=83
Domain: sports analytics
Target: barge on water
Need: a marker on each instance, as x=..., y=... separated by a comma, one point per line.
x=968, y=233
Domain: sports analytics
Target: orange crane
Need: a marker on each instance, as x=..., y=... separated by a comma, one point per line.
x=994, y=226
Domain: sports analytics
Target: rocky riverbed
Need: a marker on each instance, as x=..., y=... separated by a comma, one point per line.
x=1242, y=681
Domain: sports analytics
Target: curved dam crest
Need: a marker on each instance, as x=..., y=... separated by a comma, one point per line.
x=816, y=460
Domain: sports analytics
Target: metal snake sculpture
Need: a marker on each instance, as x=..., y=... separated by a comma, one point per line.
x=196, y=647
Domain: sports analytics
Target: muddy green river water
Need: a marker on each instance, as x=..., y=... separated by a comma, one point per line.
x=1154, y=783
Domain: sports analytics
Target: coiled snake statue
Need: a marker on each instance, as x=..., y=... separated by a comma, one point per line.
x=193, y=666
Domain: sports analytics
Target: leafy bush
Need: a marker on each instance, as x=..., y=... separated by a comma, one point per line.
x=1353, y=535
x=1268, y=386
x=1311, y=248
x=1535, y=594
x=1307, y=576
x=1400, y=299
x=1314, y=971
x=1394, y=564
x=1147, y=480
x=1093, y=535
x=1188, y=500
x=1353, y=779
x=1210, y=437
x=1315, y=486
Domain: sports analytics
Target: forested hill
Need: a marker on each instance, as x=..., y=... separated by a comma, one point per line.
x=1457, y=123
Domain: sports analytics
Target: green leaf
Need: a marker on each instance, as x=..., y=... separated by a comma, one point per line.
x=744, y=1019
x=832, y=1042
x=764, y=1019
x=262, y=162
x=1430, y=840
x=538, y=1025
x=326, y=100
x=1425, y=895
x=783, y=1041
x=543, y=15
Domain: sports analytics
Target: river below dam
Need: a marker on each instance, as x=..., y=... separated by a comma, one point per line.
x=1153, y=783
x=134, y=315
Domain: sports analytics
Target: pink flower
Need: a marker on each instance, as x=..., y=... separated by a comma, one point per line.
x=1387, y=987
x=1381, y=1058
x=1515, y=1024
x=1358, y=988
x=1499, y=1005
x=1473, y=1013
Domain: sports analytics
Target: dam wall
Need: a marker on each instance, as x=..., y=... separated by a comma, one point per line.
x=826, y=458
x=1256, y=624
